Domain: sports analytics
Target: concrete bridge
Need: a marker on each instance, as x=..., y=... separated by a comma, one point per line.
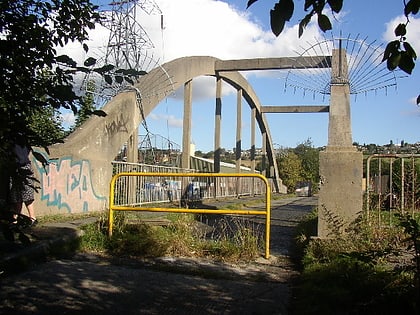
x=78, y=175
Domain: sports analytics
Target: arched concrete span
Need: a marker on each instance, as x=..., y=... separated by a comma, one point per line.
x=77, y=178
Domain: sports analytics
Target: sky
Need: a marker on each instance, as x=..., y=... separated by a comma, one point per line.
x=227, y=30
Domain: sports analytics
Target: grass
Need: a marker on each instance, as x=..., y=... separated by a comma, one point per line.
x=218, y=237
x=364, y=271
x=180, y=235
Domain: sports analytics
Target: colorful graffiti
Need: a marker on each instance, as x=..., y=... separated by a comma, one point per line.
x=68, y=184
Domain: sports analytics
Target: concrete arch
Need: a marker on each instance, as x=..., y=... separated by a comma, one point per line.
x=77, y=179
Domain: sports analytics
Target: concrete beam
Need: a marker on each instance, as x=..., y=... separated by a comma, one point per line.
x=273, y=63
x=295, y=109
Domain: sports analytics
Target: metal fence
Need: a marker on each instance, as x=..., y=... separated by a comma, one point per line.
x=392, y=185
x=192, y=192
x=166, y=188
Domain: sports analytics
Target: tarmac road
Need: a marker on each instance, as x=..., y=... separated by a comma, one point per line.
x=90, y=284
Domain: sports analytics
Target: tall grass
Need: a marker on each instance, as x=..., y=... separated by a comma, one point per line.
x=232, y=239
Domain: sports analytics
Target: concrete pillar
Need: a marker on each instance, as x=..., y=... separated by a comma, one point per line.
x=340, y=164
x=132, y=157
x=252, y=151
x=217, y=125
x=252, y=157
x=238, y=147
x=133, y=147
x=264, y=153
x=186, y=131
x=339, y=128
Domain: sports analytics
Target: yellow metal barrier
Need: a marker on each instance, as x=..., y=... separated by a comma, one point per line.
x=266, y=212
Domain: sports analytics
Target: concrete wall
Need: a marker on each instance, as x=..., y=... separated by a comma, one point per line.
x=340, y=194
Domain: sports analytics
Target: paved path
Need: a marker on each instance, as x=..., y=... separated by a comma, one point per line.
x=89, y=284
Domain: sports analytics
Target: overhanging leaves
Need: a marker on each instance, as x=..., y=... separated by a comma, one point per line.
x=324, y=22
x=304, y=23
x=66, y=60
x=250, y=2
x=392, y=48
x=400, y=30
x=104, y=69
x=282, y=12
x=410, y=51
x=393, y=61
x=406, y=63
x=89, y=62
x=335, y=5
x=108, y=79
x=308, y=4
x=412, y=7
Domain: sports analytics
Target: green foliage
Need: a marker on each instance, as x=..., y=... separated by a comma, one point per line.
x=299, y=164
x=290, y=169
x=238, y=241
x=36, y=80
x=87, y=105
x=398, y=53
x=33, y=75
x=411, y=227
x=47, y=125
x=355, y=272
x=309, y=157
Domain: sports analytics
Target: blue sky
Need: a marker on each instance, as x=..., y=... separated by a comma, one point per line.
x=226, y=30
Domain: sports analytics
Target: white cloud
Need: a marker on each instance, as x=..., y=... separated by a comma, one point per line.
x=171, y=120
x=68, y=119
x=98, y=39
x=204, y=28
x=215, y=28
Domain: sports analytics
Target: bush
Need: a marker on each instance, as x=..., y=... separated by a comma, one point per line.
x=355, y=272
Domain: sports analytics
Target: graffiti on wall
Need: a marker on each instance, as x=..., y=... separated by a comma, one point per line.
x=68, y=184
x=118, y=125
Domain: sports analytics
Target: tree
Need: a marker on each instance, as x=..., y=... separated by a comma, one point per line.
x=34, y=76
x=87, y=105
x=47, y=125
x=35, y=79
x=398, y=53
x=309, y=157
x=290, y=169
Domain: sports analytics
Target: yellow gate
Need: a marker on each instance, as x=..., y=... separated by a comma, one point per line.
x=115, y=207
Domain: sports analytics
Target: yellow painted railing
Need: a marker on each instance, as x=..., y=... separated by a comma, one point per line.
x=113, y=207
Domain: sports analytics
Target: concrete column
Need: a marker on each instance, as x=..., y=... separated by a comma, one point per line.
x=340, y=165
x=133, y=147
x=186, y=131
x=238, y=148
x=217, y=125
x=132, y=157
x=264, y=153
x=252, y=157
x=238, y=130
x=339, y=127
